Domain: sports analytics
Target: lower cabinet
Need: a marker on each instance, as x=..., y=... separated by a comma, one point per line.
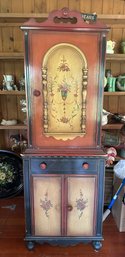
x=63, y=200
x=64, y=205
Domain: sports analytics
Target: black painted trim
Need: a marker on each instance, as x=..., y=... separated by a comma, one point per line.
x=28, y=88
x=102, y=50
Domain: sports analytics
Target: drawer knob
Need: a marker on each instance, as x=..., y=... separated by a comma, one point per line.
x=43, y=165
x=85, y=165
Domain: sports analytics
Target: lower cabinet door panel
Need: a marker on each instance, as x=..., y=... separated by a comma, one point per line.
x=46, y=205
x=81, y=201
x=64, y=205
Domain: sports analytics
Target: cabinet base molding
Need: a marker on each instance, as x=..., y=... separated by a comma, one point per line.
x=96, y=242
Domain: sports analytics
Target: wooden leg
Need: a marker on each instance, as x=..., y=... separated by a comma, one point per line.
x=97, y=245
x=30, y=245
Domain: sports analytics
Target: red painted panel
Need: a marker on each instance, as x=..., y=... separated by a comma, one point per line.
x=40, y=43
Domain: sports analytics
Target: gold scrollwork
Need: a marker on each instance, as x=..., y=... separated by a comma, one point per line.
x=45, y=108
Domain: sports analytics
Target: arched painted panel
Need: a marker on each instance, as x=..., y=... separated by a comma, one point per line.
x=64, y=79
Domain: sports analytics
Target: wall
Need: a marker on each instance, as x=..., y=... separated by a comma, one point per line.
x=37, y=6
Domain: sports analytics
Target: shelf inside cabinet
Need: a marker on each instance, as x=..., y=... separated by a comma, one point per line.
x=13, y=127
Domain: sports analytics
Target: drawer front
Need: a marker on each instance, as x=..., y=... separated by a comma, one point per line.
x=64, y=165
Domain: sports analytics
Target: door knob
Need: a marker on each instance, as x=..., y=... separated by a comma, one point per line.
x=69, y=207
x=36, y=92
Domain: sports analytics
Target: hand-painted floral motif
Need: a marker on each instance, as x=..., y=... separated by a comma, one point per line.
x=64, y=81
x=64, y=88
x=81, y=204
x=6, y=173
x=46, y=205
x=68, y=85
x=63, y=65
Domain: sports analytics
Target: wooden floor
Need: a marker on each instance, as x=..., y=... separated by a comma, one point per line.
x=12, y=230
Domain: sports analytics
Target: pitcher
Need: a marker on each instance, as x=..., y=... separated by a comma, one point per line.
x=8, y=81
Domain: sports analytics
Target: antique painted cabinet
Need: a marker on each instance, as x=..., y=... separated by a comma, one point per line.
x=64, y=163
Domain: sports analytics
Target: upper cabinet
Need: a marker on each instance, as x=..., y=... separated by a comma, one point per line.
x=13, y=15
x=64, y=80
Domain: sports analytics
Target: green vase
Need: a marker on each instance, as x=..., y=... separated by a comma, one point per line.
x=123, y=47
x=111, y=84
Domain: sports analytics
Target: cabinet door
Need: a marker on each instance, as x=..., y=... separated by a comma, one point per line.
x=81, y=205
x=46, y=205
x=64, y=205
x=63, y=112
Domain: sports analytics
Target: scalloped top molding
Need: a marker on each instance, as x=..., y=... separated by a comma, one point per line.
x=64, y=18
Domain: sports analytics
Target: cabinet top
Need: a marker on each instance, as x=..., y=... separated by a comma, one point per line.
x=66, y=19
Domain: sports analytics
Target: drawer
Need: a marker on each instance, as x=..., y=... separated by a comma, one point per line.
x=63, y=165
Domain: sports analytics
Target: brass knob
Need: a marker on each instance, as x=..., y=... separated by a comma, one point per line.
x=69, y=207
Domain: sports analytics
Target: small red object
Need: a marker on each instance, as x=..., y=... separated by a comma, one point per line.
x=43, y=165
x=85, y=165
x=36, y=92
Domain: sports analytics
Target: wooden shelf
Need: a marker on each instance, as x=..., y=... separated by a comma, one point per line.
x=11, y=55
x=45, y=15
x=7, y=92
x=116, y=126
x=113, y=17
x=115, y=57
x=17, y=55
x=114, y=93
x=15, y=127
x=9, y=17
x=112, y=20
x=23, y=15
x=16, y=19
